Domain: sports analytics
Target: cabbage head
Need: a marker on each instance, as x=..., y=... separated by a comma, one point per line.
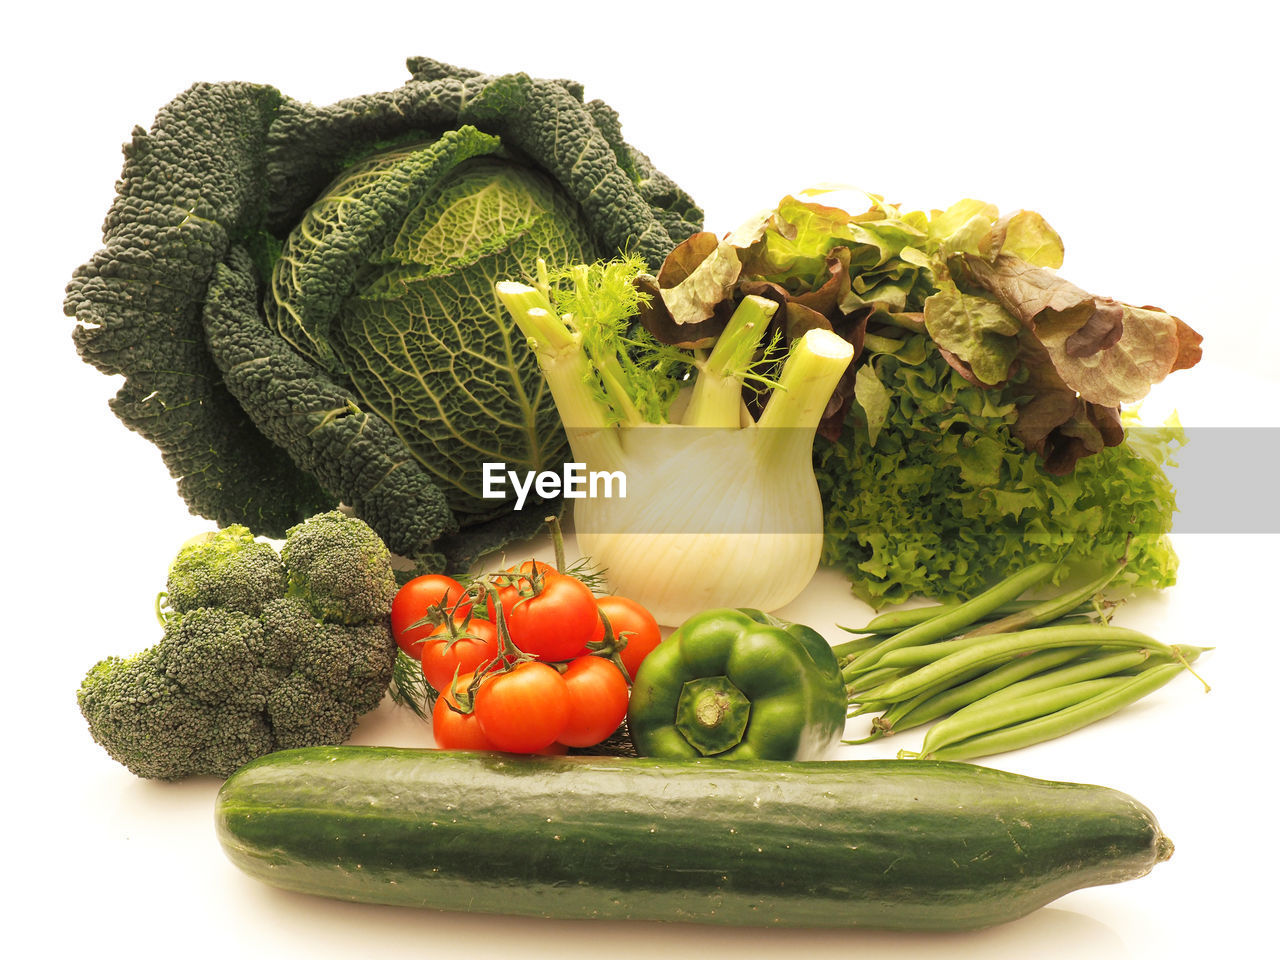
x=387, y=281
x=299, y=297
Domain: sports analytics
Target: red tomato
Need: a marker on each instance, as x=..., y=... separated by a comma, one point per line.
x=525, y=709
x=598, y=697
x=443, y=654
x=633, y=623
x=557, y=622
x=453, y=730
x=413, y=602
x=511, y=587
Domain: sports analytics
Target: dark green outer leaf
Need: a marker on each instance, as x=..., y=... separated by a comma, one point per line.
x=186, y=188
x=532, y=116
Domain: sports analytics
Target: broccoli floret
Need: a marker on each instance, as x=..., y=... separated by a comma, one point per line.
x=301, y=711
x=148, y=722
x=244, y=667
x=209, y=653
x=343, y=660
x=225, y=569
x=287, y=629
x=339, y=568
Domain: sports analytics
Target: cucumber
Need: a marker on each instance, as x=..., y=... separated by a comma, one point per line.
x=905, y=844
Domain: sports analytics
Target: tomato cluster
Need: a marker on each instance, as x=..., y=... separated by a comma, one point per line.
x=527, y=661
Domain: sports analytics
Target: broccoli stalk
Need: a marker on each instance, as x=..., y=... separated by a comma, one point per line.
x=261, y=651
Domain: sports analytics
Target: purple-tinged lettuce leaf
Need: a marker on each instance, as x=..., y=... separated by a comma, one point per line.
x=656, y=318
x=981, y=285
x=698, y=274
x=1108, y=352
x=1053, y=421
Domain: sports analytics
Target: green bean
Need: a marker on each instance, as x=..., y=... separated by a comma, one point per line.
x=930, y=705
x=985, y=717
x=1002, y=647
x=883, y=725
x=856, y=683
x=862, y=709
x=946, y=624
x=906, y=714
x=1048, y=610
x=1183, y=654
x=1063, y=721
x=896, y=621
x=851, y=648
x=1088, y=669
x=910, y=658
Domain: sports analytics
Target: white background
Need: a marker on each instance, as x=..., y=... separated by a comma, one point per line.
x=1142, y=134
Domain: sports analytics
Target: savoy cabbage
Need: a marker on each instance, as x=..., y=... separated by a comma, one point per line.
x=300, y=297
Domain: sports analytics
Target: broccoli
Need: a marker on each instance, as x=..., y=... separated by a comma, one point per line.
x=261, y=651
x=339, y=569
x=225, y=569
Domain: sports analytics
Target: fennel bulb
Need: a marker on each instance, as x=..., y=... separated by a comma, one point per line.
x=721, y=510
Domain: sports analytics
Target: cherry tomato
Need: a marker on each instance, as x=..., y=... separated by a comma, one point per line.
x=525, y=709
x=453, y=730
x=598, y=697
x=413, y=602
x=511, y=587
x=557, y=622
x=631, y=622
x=475, y=645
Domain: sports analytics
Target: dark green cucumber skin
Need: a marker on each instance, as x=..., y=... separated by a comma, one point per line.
x=897, y=844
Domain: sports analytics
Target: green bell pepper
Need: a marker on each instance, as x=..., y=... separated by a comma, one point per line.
x=738, y=684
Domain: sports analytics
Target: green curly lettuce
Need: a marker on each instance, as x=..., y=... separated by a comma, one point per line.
x=927, y=492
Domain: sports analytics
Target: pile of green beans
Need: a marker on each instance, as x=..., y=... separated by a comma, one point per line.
x=999, y=673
